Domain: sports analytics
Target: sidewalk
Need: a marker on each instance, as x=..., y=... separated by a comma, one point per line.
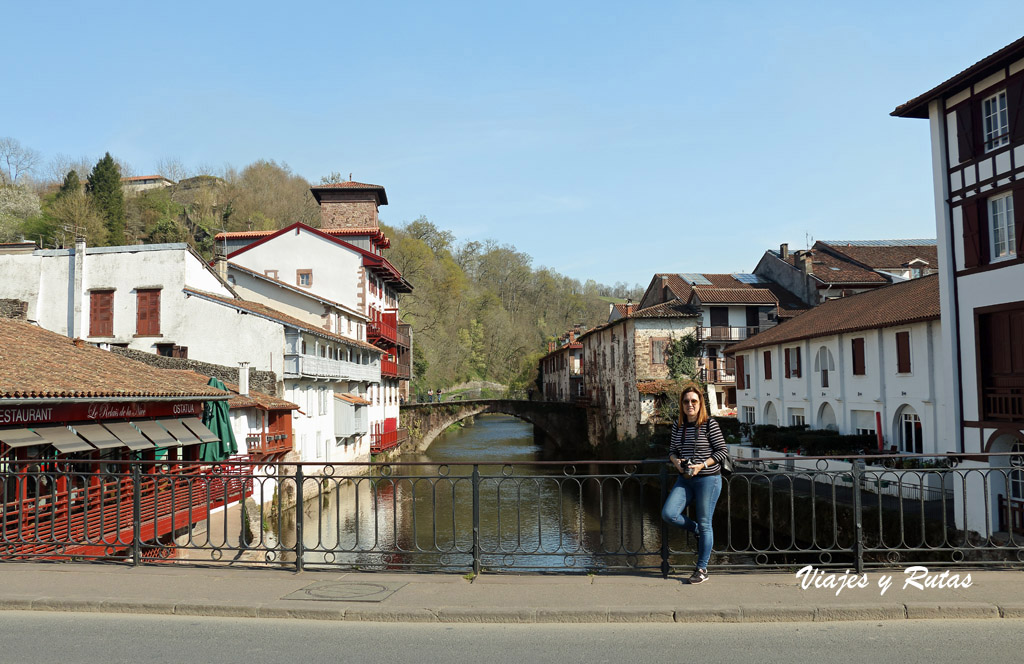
x=413, y=597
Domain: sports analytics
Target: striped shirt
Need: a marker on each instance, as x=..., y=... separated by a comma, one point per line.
x=699, y=444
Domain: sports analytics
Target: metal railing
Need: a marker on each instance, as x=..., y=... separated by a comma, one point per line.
x=587, y=515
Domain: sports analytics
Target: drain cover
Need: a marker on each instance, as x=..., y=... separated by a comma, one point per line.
x=345, y=591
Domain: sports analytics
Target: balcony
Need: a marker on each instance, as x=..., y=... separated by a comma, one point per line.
x=298, y=365
x=717, y=370
x=268, y=443
x=726, y=333
x=383, y=330
x=404, y=371
x=387, y=440
x=1003, y=403
x=388, y=368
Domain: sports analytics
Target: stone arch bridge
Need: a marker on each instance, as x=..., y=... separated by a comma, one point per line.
x=563, y=425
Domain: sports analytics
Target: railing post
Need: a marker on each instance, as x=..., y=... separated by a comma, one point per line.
x=299, y=510
x=136, y=514
x=476, y=520
x=664, y=526
x=858, y=516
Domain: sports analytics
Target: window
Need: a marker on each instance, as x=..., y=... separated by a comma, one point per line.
x=767, y=365
x=996, y=124
x=910, y=432
x=147, y=314
x=903, y=352
x=101, y=313
x=749, y=414
x=658, y=350
x=797, y=417
x=823, y=364
x=1002, y=230
x=171, y=350
x=270, y=273
x=791, y=358
x=304, y=278
x=858, y=357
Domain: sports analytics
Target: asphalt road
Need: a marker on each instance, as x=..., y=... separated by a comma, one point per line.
x=84, y=638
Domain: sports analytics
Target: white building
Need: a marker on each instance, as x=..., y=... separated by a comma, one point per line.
x=976, y=121
x=165, y=299
x=853, y=364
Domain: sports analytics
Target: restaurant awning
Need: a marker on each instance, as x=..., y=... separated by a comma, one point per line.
x=129, y=435
x=196, y=426
x=155, y=433
x=180, y=432
x=64, y=439
x=96, y=434
x=20, y=438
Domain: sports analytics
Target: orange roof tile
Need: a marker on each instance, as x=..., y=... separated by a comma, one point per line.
x=39, y=364
x=899, y=304
x=708, y=295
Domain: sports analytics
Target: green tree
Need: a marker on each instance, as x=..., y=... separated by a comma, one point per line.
x=104, y=187
x=17, y=205
x=681, y=357
x=71, y=184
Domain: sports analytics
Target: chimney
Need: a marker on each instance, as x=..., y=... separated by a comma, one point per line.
x=784, y=251
x=220, y=263
x=806, y=265
x=75, y=324
x=243, y=379
x=611, y=308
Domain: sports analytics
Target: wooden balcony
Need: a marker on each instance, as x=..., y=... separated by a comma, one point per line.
x=264, y=444
x=726, y=333
x=388, y=368
x=383, y=330
x=1003, y=403
x=717, y=370
x=387, y=440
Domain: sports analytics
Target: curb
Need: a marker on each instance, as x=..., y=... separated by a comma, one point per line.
x=512, y=615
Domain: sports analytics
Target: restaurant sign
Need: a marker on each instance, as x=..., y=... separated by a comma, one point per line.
x=79, y=412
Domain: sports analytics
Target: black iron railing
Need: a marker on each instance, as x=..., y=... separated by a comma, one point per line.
x=587, y=515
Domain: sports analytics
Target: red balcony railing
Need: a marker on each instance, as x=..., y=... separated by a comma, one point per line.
x=268, y=443
x=388, y=368
x=386, y=440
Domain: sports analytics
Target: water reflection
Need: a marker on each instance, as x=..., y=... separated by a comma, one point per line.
x=530, y=517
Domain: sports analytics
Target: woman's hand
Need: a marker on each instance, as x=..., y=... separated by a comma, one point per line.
x=695, y=468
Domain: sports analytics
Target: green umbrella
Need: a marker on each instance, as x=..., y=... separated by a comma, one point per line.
x=216, y=419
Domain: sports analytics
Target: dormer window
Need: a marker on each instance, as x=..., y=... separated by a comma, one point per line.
x=997, y=126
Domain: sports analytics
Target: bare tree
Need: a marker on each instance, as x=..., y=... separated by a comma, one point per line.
x=16, y=160
x=172, y=168
x=61, y=164
x=76, y=216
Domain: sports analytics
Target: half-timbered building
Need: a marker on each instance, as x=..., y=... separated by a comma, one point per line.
x=976, y=122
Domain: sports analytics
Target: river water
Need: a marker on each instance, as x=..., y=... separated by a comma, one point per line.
x=530, y=517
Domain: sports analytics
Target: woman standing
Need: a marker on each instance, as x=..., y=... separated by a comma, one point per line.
x=696, y=449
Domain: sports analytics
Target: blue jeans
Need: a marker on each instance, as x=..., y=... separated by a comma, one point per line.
x=703, y=492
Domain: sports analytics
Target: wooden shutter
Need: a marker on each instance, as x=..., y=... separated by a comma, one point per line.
x=767, y=365
x=1018, y=213
x=147, y=322
x=965, y=128
x=903, y=352
x=1015, y=108
x=972, y=239
x=797, y=369
x=858, y=357
x=785, y=355
x=741, y=383
x=101, y=314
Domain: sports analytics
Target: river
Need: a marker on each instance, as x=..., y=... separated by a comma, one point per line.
x=531, y=517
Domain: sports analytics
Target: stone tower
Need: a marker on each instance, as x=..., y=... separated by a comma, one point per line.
x=349, y=205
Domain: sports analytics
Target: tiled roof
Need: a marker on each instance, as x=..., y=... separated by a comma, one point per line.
x=252, y=400
x=273, y=314
x=918, y=106
x=655, y=386
x=38, y=364
x=673, y=309
x=831, y=269
x=353, y=186
x=709, y=295
x=375, y=233
x=679, y=287
x=352, y=398
x=886, y=256
x=899, y=304
x=624, y=309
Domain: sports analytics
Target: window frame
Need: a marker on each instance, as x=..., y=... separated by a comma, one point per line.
x=863, y=356
x=908, y=368
x=664, y=341
x=150, y=327
x=767, y=356
x=299, y=274
x=1008, y=226
x=996, y=134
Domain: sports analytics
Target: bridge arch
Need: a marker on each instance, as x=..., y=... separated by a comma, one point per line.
x=565, y=425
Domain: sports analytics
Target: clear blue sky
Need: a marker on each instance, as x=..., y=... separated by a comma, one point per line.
x=607, y=140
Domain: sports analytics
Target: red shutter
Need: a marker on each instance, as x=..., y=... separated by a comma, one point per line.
x=903, y=352
x=858, y=357
x=797, y=369
x=972, y=241
x=965, y=131
x=1015, y=108
x=740, y=378
x=148, y=313
x=101, y=314
x=785, y=354
x=767, y=365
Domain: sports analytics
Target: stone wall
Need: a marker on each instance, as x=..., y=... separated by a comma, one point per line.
x=350, y=213
x=261, y=381
x=17, y=309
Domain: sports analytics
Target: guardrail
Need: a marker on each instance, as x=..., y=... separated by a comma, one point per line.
x=556, y=516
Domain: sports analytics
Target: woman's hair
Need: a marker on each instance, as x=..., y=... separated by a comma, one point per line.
x=702, y=410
